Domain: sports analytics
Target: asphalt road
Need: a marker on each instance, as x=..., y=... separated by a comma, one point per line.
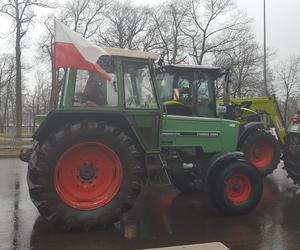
x=161, y=217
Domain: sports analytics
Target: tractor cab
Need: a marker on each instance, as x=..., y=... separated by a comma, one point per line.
x=188, y=90
x=129, y=100
x=130, y=72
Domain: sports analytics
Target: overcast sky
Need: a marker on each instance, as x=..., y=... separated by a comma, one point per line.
x=283, y=16
x=283, y=34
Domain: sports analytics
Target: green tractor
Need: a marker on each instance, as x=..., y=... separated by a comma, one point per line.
x=291, y=152
x=263, y=145
x=257, y=142
x=266, y=110
x=94, y=152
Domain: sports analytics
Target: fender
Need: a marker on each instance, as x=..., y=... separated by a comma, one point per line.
x=58, y=118
x=218, y=159
x=247, y=128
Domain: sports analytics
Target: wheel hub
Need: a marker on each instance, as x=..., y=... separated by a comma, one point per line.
x=88, y=175
x=261, y=154
x=87, y=172
x=235, y=187
x=238, y=188
x=257, y=153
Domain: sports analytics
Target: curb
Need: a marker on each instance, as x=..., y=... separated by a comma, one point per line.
x=8, y=156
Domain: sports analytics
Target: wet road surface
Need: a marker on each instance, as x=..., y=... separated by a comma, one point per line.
x=161, y=217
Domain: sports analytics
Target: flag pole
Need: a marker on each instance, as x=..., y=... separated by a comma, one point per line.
x=54, y=71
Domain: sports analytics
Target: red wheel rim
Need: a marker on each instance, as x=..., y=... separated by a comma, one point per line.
x=238, y=188
x=261, y=154
x=88, y=175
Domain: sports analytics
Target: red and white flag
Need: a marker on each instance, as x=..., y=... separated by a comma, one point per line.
x=176, y=94
x=71, y=50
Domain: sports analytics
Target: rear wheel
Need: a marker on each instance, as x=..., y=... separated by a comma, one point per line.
x=235, y=187
x=84, y=175
x=262, y=150
x=291, y=157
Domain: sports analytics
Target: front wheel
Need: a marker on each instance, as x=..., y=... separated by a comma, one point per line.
x=262, y=150
x=291, y=156
x=235, y=187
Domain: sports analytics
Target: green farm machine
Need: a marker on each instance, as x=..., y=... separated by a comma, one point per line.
x=291, y=152
x=92, y=154
x=266, y=110
x=263, y=146
x=260, y=147
x=262, y=137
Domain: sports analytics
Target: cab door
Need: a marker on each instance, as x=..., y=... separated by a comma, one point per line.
x=141, y=105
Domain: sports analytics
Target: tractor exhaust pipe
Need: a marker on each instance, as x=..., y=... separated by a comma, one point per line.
x=226, y=87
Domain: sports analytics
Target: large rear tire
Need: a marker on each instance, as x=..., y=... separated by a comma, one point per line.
x=262, y=150
x=235, y=187
x=84, y=175
x=291, y=157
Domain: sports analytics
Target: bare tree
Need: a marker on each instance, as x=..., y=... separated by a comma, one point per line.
x=212, y=25
x=84, y=17
x=168, y=19
x=125, y=26
x=244, y=62
x=37, y=102
x=7, y=77
x=288, y=76
x=21, y=14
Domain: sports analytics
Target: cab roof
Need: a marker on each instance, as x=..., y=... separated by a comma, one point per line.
x=191, y=66
x=131, y=53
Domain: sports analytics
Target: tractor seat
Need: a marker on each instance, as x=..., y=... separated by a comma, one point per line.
x=177, y=108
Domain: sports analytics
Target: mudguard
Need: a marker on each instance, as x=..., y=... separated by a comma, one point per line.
x=218, y=159
x=58, y=118
x=247, y=128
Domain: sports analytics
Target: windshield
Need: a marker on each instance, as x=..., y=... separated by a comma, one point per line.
x=189, y=82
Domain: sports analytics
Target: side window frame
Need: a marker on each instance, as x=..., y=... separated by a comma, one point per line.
x=152, y=83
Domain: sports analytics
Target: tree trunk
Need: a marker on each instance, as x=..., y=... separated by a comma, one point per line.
x=285, y=109
x=5, y=111
x=18, y=81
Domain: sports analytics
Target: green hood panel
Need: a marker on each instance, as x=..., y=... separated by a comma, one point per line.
x=212, y=134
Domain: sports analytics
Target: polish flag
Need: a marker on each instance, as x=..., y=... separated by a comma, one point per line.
x=71, y=50
x=176, y=94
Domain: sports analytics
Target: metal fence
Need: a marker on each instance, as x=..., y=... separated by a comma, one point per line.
x=10, y=131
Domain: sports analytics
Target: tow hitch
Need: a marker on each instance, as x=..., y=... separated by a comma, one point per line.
x=25, y=154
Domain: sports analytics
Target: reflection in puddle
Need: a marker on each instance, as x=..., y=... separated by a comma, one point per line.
x=16, y=212
x=164, y=217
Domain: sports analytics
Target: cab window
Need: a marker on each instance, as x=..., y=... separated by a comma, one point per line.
x=165, y=86
x=138, y=86
x=91, y=89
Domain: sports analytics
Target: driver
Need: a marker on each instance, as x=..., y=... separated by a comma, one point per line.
x=93, y=90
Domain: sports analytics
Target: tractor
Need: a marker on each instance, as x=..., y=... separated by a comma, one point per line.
x=266, y=110
x=93, y=153
x=268, y=136
x=291, y=150
x=260, y=146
